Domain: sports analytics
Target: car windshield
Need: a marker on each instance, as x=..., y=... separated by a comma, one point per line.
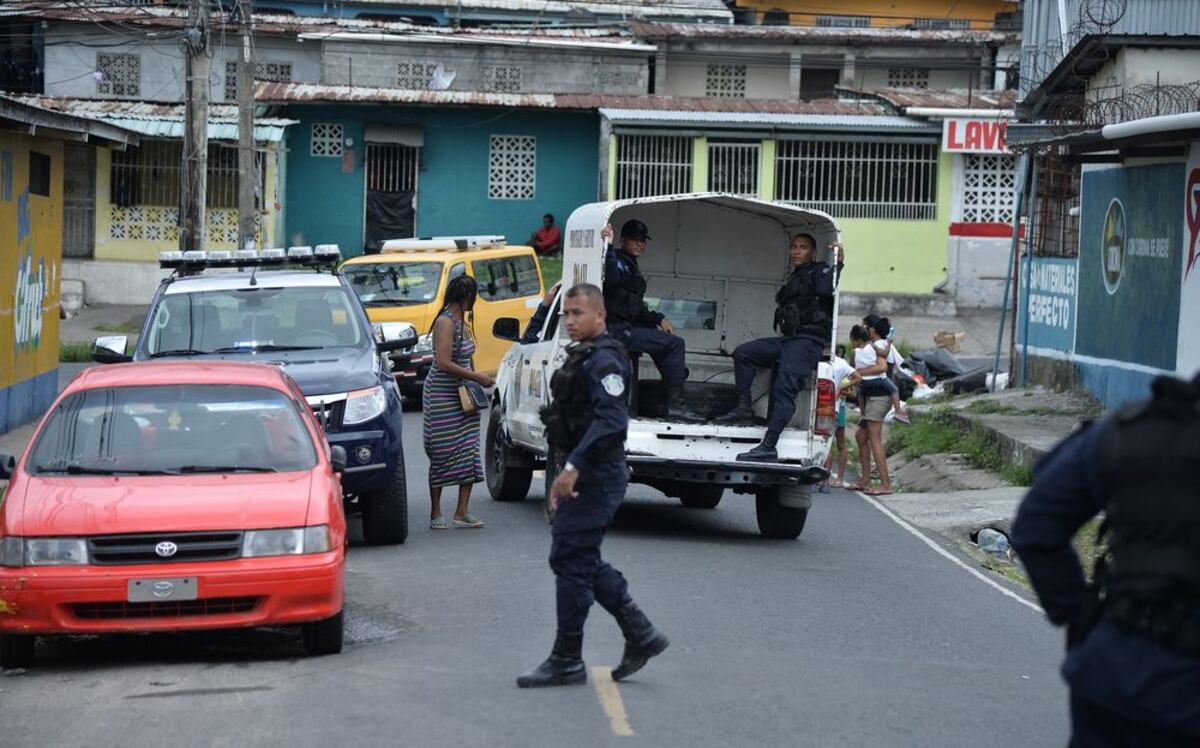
x=254, y=318
x=395, y=283
x=173, y=429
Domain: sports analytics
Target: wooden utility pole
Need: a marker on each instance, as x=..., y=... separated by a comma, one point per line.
x=247, y=166
x=195, y=129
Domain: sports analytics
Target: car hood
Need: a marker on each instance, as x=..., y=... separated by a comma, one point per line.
x=322, y=371
x=86, y=505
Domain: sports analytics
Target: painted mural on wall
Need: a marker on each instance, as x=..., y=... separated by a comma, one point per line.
x=1050, y=322
x=1188, y=361
x=1130, y=259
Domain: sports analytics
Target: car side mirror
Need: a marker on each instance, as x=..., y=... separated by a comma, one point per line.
x=397, y=344
x=8, y=466
x=337, y=458
x=110, y=349
x=507, y=328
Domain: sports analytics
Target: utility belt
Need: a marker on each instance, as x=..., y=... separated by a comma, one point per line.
x=791, y=319
x=1174, y=625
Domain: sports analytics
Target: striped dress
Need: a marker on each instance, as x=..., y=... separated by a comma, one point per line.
x=451, y=436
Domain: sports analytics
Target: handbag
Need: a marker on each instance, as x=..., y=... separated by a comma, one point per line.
x=471, y=395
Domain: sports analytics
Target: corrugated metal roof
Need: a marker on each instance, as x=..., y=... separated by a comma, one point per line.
x=534, y=41
x=822, y=34
x=678, y=8
x=157, y=120
x=903, y=98
x=764, y=119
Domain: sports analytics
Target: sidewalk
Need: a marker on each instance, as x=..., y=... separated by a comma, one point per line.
x=82, y=327
x=916, y=333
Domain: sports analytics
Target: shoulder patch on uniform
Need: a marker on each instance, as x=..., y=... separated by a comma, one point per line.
x=614, y=384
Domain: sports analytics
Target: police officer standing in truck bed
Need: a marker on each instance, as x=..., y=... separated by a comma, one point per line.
x=804, y=319
x=586, y=421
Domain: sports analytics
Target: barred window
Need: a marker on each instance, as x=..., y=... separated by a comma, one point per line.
x=941, y=23
x=264, y=70
x=853, y=179
x=415, y=76
x=908, y=78
x=650, y=165
x=120, y=75
x=502, y=79
x=989, y=188
x=776, y=17
x=726, y=81
x=733, y=168
x=512, y=167
x=151, y=174
x=326, y=139
x=844, y=22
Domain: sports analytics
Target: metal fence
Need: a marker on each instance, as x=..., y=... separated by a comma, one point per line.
x=650, y=165
x=392, y=167
x=152, y=173
x=733, y=168
x=859, y=179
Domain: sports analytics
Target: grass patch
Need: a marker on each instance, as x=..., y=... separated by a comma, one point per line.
x=74, y=353
x=115, y=327
x=994, y=407
x=938, y=433
x=551, y=270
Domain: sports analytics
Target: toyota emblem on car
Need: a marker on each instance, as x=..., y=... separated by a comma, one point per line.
x=166, y=549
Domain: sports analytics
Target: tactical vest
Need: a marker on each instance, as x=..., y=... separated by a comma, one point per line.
x=624, y=295
x=800, y=311
x=569, y=413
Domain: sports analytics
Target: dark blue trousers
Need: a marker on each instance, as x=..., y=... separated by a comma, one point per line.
x=581, y=577
x=1093, y=726
x=797, y=359
x=667, y=351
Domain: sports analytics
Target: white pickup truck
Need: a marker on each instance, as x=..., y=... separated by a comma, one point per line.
x=713, y=266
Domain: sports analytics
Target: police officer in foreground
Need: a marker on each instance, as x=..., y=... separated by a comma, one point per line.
x=804, y=319
x=586, y=421
x=1133, y=634
x=632, y=322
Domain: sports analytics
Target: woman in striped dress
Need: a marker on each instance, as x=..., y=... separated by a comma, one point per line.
x=452, y=435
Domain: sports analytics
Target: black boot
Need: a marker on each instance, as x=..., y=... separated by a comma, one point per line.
x=741, y=415
x=764, y=452
x=642, y=641
x=564, y=666
x=677, y=407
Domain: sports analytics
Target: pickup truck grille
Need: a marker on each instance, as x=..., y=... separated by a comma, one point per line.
x=116, y=550
x=214, y=606
x=333, y=415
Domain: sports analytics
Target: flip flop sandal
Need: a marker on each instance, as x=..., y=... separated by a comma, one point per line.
x=439, y=523
x=468, y=521
x=879, y=492
x=857, y=487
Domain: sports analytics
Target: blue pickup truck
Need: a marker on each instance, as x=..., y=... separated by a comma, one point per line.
x=303, y=317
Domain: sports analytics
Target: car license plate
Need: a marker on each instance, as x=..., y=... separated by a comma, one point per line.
x=162, y=590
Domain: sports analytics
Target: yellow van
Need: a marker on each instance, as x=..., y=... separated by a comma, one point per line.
x=406, y=282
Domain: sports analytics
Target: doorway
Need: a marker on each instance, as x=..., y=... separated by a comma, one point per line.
x=391, y=193
x=79, y=201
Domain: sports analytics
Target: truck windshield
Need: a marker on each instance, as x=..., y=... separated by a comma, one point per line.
x=173, y=429
x=395, y=283
x=249, y=319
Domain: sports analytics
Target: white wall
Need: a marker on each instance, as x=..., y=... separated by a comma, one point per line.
x=110, y=282
x=975, y=270
x=689, y=77
x=876, y=76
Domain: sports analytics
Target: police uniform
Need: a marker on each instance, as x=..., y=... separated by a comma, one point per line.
x=1133, y=658
x=804, y=318
x=533, y=330
x=586, y=421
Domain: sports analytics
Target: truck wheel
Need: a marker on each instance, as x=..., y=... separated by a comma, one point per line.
x=505, y=482
x=776, y=520
x=385, y=510
x=324, y=637
x=701, y=496
x=16, y=650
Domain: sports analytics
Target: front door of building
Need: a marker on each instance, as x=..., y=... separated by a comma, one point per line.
x=391, y=193
x=79, y=201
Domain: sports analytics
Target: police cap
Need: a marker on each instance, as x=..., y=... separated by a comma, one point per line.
x=635, y=229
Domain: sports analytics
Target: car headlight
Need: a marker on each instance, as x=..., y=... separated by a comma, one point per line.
x=363, y=405
x=12, y=551
x=292, y=541
x=55, y=551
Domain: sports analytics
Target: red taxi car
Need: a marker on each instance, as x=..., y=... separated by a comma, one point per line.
x=173, y=496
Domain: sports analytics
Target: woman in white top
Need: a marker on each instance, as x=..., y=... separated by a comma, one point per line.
x=871, y=367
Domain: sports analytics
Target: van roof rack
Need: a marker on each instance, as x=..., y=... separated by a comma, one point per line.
x=443, y=243
x=193, y=261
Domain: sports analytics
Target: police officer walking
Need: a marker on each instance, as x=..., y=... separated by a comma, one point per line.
x=586, y=421
x=631, y=321
x=1133, y=634
x=804, y=319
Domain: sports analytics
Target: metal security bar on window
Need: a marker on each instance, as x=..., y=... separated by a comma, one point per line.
x=844, y=22
x=415, y=75
x=392, y=167
x=989, y=188
x=512, y=167
x=726, y=81
x=941, y=23
x=852, y=179
x=650, y=165
x=733, y=168
x=502, y=79
x=264, y=70
x=150, y=175
x=119, y=75
x=326, y=139
x=908, y=78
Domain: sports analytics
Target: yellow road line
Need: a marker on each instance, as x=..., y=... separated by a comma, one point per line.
x=610, y=699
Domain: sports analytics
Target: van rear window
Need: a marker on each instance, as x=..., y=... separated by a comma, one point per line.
x=686, y=314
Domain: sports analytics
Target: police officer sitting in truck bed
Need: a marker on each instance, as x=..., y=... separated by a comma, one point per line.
x=632, y=323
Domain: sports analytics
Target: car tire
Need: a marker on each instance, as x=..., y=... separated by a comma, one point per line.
x=776, y=520
x=700, y=496
x=324, y=637
x=385, y=510
x=505, y=482
x=16, y=650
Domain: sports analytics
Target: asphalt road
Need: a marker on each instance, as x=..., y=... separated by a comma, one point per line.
x=856, y=634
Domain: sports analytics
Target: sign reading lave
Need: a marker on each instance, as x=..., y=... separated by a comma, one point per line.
x=974, y=136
